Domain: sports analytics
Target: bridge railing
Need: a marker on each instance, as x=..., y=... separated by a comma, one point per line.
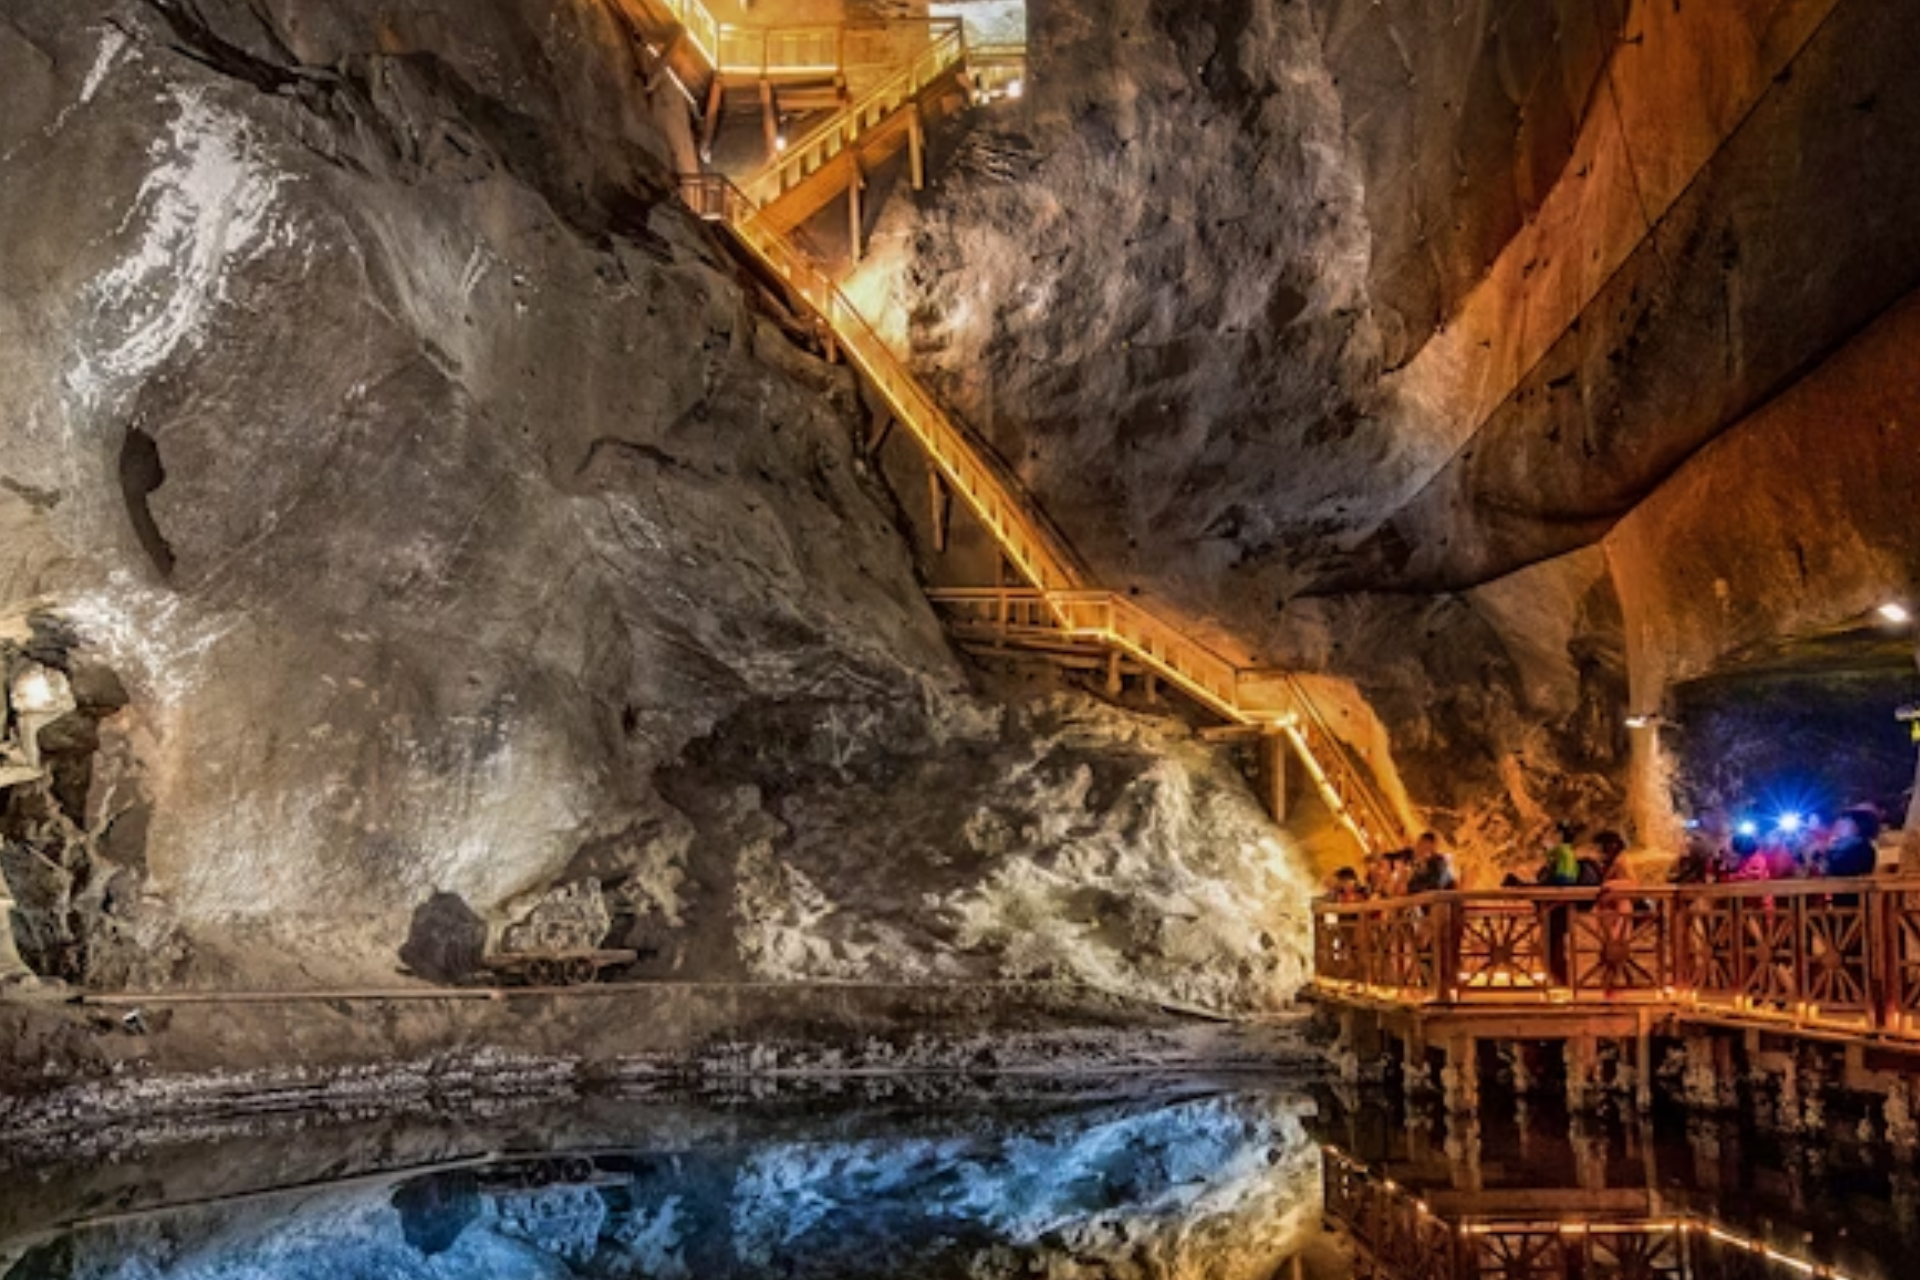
x=1843, y=954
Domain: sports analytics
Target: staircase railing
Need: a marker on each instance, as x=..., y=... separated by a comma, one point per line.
x=1211, y=679
x=1034, y=550
x=1039, y=554
x=820, y=146
x=816, y=48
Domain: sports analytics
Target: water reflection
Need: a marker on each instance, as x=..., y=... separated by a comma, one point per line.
x=1162, y=1182
x=1188, y=1184
x=1539, y=1195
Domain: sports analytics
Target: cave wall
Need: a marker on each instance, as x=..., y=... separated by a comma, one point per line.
x=432, y=487
x=1797, y=523
x=1349, y=331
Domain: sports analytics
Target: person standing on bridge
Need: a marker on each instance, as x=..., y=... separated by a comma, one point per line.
x=1433, y=867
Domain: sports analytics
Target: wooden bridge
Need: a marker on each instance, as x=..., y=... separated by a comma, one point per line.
x=1827, y=960
x=1059, y=608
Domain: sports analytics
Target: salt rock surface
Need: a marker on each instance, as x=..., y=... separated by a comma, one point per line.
x=431, y=483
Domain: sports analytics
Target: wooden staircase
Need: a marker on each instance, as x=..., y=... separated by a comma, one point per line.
x=1060, y=610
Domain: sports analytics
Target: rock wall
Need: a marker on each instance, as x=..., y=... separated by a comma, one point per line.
x=1349, y=330
x=426, y=483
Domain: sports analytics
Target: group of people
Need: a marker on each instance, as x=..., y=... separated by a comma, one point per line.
x=1566, y=867
x=1800, y=849
x=1803, y=849
x=1424, y=868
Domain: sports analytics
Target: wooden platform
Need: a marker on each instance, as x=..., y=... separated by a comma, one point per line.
x=1831, y=962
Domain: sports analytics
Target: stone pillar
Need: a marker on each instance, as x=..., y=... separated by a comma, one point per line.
x=1650, y=792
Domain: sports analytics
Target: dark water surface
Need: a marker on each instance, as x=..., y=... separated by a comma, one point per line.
x=1190, y=1180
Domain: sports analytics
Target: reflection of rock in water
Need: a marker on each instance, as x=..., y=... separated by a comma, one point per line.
x=563, y=1221
x=1214, y=1187
x=434, y=1211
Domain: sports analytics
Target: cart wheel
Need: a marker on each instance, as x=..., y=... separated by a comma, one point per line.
x=581, y=971
x=545, y=973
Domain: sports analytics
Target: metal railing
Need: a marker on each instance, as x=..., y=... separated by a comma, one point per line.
x=1837, y=955
x=815, y=150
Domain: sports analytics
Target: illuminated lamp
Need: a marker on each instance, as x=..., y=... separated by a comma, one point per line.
x=1790, y=823
x=780, y=142
x=1748, y=828
x=1896, y=613
x=1015, y=88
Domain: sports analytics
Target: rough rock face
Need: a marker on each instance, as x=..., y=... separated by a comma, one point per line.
x=428, y=482
x=1350, y=329
x=1050, y=840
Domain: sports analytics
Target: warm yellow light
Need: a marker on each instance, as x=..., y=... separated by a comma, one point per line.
x=1015, y=88
x=33, y=692
x=1896, y=613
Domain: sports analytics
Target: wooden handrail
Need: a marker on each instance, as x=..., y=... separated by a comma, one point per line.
x=1839, y=955
x=1216, y=682
x=825, y=48
x=1027, y=540
x=818, y=147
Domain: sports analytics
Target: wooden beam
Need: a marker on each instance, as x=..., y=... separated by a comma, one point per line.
x=1113, y=673
x=856, y=227
x=1233, y=733
x=917, y=149
x=770, y=120
x=942, y=500
x=1274, y=750
x=877, y=435
x=716, y=104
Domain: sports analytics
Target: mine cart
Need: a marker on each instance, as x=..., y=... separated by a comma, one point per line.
x=555, y=968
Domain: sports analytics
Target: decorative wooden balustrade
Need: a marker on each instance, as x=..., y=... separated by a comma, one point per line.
x=1837, y=956
x=1402, y=1236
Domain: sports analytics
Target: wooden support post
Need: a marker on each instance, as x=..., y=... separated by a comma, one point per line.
x=1273, y=773
x=770, y=121
x=1461, y=1076
x=877, y=437
x=942, y=500
x=716, y=104
x=917, y=149
x=856, y=222
x=1113, y=673
x=1643, y=1063
x=1153, y=689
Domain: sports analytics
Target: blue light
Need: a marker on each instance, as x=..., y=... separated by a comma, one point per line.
x=1790, y=823
x=1748, y=828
